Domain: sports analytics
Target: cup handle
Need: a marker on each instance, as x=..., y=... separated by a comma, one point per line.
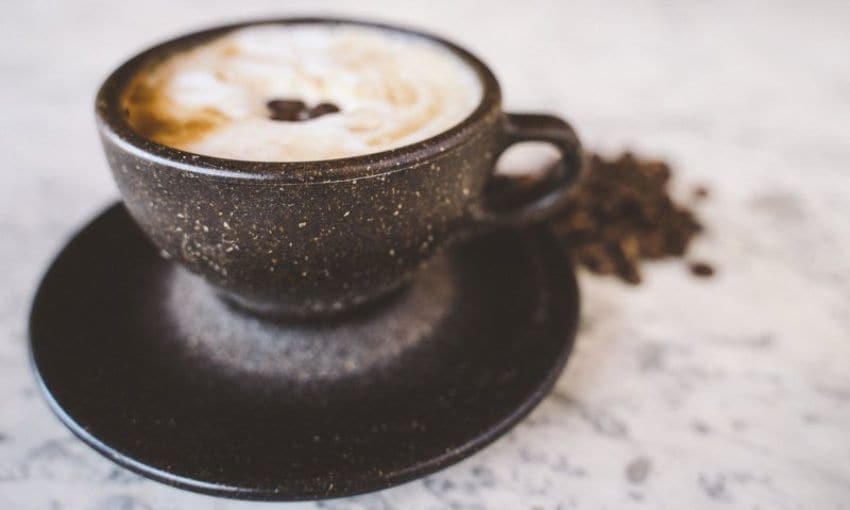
x=523, y=127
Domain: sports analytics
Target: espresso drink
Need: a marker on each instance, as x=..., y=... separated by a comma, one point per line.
x=302, y=92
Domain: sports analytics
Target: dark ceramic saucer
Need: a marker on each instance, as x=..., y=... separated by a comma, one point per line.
x=144, y=365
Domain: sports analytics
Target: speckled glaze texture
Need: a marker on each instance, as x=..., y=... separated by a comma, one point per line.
x=314, y=238
x=725, y=393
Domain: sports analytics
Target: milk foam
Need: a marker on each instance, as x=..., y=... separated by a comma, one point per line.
x=392, y=89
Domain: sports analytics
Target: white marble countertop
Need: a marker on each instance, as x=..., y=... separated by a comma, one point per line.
x=730, y=392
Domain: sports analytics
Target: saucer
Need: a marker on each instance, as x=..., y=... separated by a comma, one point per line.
x=142, y=362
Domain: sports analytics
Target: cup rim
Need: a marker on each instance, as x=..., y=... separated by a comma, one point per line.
x=113, y=124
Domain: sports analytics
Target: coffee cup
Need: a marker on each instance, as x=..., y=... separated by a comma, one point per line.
x=306, y=239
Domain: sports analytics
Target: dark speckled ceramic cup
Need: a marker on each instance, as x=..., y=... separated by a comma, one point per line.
x=307, y=239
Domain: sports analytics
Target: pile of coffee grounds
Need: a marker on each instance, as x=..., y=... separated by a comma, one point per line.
x=621, y=214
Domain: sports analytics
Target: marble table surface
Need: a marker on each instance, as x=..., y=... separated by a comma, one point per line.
x=729, y=392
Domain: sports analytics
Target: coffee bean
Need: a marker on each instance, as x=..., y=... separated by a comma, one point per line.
x=293, y=110
x=701, y=269
x=322, y=109
x=621, y=213
x=287, y=109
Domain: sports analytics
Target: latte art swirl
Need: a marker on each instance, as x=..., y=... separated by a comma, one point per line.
x=361, y=90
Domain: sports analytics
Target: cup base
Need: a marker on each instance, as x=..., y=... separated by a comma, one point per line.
x=305, y=312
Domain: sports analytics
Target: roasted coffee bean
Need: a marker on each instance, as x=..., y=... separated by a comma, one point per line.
x=293, y=110
x=621, y=213
x=287, y=109
x=322, y=109
x=701, y=269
